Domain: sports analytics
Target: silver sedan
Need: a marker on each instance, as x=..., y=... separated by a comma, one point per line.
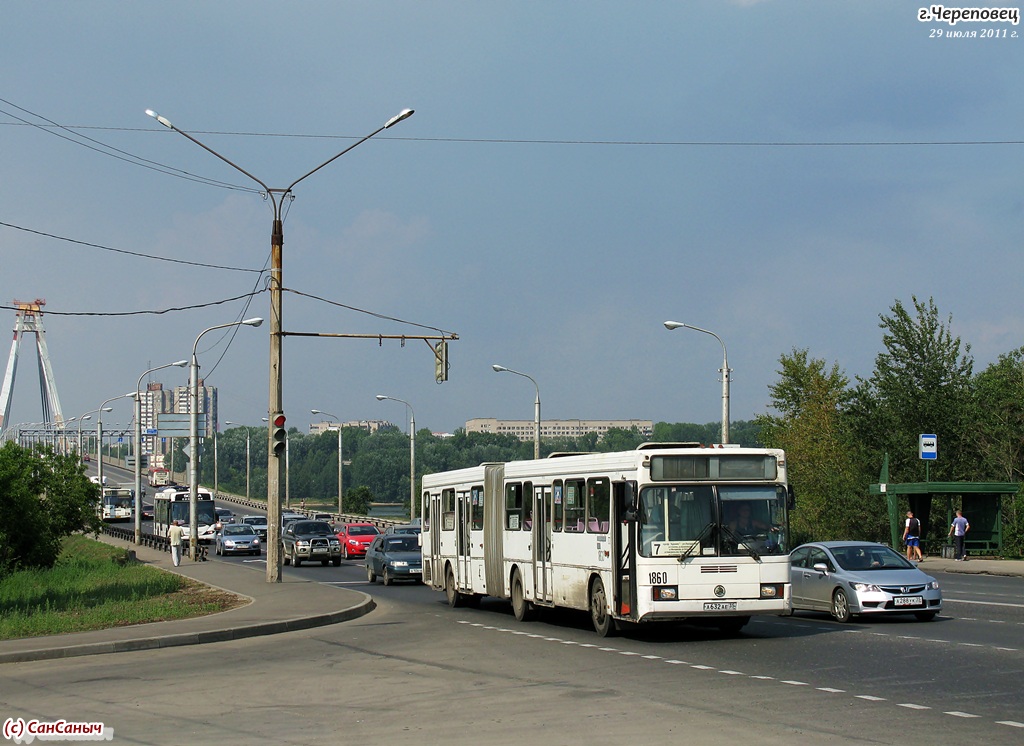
x=846, y=578
x=238, y=539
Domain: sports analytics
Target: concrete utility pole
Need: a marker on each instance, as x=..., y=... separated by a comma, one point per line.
x=277, y=431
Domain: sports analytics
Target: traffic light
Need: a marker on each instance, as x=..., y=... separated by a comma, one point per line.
x=280, y=434
x=441, y=361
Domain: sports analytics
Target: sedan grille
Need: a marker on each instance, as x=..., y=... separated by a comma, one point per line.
x=902, y=590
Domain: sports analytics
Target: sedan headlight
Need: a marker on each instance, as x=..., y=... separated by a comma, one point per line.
x=934, y=585
x=228, y=543
x=256, y=542
x=865, y=587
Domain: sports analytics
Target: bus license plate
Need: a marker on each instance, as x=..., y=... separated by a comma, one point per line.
x=908, y=601
x=719, y=606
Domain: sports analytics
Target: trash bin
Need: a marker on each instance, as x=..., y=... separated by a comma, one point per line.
x=948, y=551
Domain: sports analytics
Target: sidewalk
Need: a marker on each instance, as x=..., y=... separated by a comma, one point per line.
x=273, y=608
x=974, y=566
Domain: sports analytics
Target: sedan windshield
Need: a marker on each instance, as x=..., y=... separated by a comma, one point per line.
x=238, y=530
x=316, y=528
x=858, y=558
x=362, y=531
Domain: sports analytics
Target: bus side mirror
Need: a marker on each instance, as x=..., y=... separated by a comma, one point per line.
x=627, y=500
x=790, y=497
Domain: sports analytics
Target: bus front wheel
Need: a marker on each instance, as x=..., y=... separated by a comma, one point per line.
x=603, y=623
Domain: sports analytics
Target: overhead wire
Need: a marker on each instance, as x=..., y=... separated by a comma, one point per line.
x=58, y=130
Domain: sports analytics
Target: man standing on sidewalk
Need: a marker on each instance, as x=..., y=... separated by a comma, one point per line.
x=958, y=530
x=912, y=537
x=174, y=536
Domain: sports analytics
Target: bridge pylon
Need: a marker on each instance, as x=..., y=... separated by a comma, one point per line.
x=28, y=319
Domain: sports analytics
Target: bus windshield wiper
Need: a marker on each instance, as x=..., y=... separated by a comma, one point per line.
x=696, y=542
x=740, y=541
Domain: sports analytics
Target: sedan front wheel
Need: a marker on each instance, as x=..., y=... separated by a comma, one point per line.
x=841, y=606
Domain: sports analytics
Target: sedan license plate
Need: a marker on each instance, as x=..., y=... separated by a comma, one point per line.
x=720, y=606
x=908, y=601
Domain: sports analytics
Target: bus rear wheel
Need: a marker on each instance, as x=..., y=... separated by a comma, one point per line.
x=524, y=610
x=455, y=598
x=603, y=623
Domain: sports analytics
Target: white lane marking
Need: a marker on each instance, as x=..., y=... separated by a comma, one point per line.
x=729, y=672
x=981, y=603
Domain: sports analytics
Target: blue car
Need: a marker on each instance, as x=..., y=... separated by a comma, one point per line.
x=394, y=557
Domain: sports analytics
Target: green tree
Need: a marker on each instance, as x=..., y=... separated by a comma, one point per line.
x=43, y=498
x=358, y=500
x=922, y=383
x=810, y=426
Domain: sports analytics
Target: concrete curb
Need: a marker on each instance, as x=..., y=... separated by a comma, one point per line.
x=193, y=638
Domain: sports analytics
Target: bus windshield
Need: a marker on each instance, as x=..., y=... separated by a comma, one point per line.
x=712, y=520
x=204, y=512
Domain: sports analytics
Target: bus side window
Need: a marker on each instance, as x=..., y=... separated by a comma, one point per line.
x=556, y=497
x=477, y=499
x=448, y=510
x=575, y=495
x=513, y=506
x=598, y=504
x=527, y=506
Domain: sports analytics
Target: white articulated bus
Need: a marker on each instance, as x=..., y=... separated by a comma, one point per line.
x=665, y=532
x=172, y=504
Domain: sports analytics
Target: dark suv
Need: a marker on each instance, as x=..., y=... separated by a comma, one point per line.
x=310, y=540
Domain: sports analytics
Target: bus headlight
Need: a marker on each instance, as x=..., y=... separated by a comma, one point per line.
x=665, y=593
x=769, y=590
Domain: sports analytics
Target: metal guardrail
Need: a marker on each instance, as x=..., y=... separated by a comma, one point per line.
x=381, y=523
x=128, y=534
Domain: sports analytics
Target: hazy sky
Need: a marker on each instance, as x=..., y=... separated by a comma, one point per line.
x=576, y=173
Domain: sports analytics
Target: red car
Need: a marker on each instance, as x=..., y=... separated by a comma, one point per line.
x=355, y=538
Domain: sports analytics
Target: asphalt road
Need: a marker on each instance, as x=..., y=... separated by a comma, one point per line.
x=416, y=670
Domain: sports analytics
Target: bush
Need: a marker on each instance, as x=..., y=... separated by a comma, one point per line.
x=44, y=497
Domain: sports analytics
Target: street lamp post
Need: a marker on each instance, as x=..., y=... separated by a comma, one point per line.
x=276, y=406
x=99, y=434
x=536, y=407
x=80, y=421
x=334, y=417
x=193, y=436
x=138, y=445
x=412, y=453
x=725, y=373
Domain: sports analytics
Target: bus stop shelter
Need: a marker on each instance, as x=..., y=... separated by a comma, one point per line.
x=981, y=503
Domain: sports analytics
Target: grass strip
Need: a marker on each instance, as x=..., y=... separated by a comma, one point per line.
x=95, y=586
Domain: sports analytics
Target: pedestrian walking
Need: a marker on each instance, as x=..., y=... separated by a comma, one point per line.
x=912, y=537
x=175, y=536
x=958, y=530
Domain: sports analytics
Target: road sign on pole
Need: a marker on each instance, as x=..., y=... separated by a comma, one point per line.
x=928, y=447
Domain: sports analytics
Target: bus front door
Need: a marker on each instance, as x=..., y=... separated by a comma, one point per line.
x=436, y=565
x=542, y=572
x=462, y=523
